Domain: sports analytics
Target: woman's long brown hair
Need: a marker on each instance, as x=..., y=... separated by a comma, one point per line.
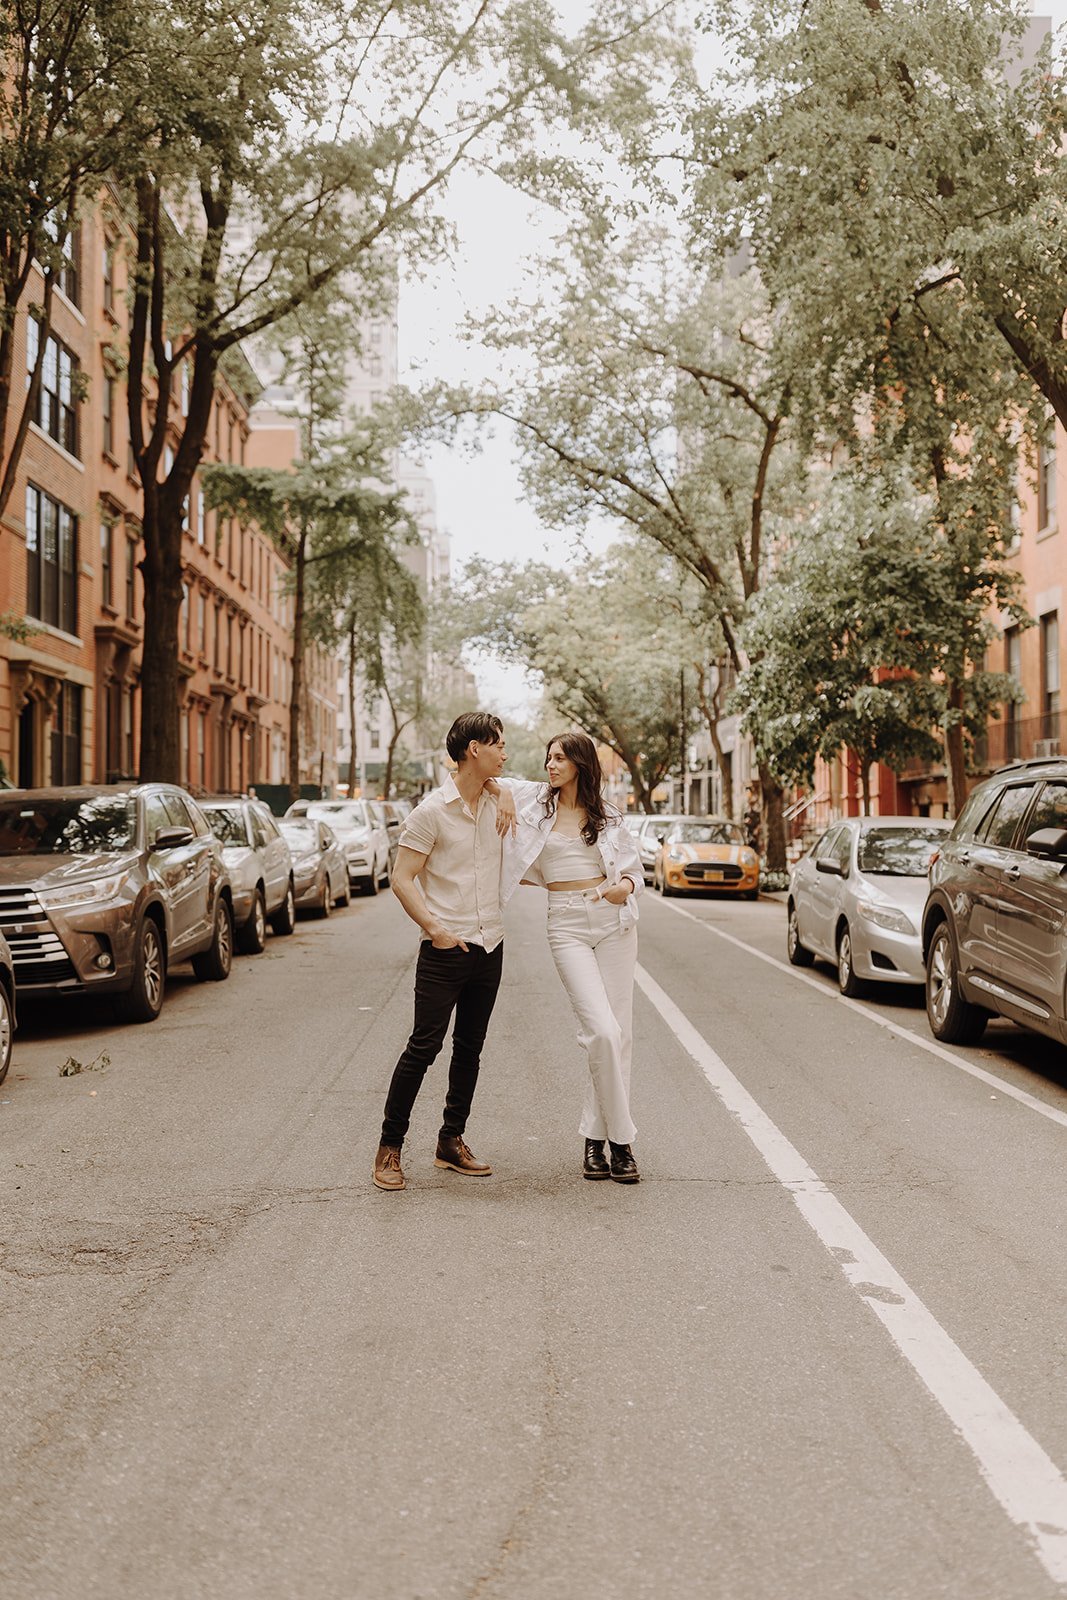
x=579, y=748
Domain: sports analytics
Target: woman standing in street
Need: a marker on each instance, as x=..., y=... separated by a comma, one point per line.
x=570, y=842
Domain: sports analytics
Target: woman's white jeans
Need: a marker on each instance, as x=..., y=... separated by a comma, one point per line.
x=595, y=960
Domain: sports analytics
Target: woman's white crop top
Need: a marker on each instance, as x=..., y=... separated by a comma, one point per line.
x=566, y=860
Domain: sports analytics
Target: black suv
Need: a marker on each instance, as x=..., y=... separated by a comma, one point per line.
x=995, y=921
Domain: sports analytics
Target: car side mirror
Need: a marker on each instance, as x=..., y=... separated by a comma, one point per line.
x=829, y=865
x=1049, y=844
x=171, y=838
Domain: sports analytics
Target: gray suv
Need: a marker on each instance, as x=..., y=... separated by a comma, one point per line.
x=995, y=921
x=104, y=888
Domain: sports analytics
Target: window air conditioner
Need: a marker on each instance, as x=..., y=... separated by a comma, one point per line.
x=1046, y=747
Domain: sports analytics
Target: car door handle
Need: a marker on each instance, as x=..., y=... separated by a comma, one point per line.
x=1013, y=873
x=964, y=856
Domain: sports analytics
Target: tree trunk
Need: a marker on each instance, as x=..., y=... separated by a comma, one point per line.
x=865, y=784
x=161, y=568
x=773, y=820
x=644, y=795
x=352, y=763
x=712, y=710
x=297, y=686
x=955, y=754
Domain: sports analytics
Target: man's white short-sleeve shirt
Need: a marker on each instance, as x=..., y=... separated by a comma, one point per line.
x=460, y=878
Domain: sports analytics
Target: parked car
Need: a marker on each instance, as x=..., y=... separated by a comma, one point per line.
x=389, y=814
x=706, y=853
x=361, y=836
x=260, y=867
x=650, y=831
x=106, y=888
x=320, y=871
x=7, y=1006
x=995, y=924
x=856, y=898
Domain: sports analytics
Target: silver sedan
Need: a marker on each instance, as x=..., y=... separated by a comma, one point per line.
x=856, y=899
x=320, y=871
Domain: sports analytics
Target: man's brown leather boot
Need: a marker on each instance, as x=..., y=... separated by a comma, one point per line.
x=388, y=1173
x=453, y=1153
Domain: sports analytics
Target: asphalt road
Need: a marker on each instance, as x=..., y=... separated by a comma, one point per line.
x=819, y=1353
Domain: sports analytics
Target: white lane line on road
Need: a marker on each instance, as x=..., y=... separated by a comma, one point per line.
x=1002, y=1086
x=1025, y=1480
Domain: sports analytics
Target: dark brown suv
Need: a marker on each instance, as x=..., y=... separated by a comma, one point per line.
x=995, y=921
x=104, y=888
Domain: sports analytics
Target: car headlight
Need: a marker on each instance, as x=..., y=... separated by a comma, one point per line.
x=97, y=892
x=675, y=855
x=749, y=858
x=885, y=917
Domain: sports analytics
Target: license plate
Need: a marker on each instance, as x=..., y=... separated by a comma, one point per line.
x=711, y=873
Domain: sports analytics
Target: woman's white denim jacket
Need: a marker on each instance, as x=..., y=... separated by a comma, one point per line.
x=617, y=846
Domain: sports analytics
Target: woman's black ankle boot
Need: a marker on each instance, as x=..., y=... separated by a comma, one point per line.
x=595, y=1164
x=623, y=1166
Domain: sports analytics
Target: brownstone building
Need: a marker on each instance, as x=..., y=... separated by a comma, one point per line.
x=70, y=562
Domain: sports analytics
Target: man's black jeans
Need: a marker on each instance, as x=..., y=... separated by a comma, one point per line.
x=463, y=981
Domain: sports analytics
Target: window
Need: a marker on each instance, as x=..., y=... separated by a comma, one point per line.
x=217, y=662
x=1013, y=666
x=1050, y=810
x=67, y=735
x=186, y=618
x=68, y=277
x=1046, y=478
x=185, y=388
x=56, y=409
x=131, y=578
x=1050, y=674
x=107, y=541
x=201, y=749
x=51, y=561
x=186, y=775
x=201, y=519
x=1001, y=823
x=109, y=276
x=201, y=622
x=109, y=416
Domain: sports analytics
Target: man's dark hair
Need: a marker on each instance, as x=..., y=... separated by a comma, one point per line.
x=476, y=727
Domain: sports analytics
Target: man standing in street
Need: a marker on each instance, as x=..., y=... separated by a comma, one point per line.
x=447, y=878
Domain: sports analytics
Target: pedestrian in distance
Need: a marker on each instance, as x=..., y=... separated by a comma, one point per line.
x=447, y=878
x=568, y=840
x=753, y=818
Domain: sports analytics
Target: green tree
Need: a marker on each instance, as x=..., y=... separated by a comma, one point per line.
x=601, y=646
x=891, y=167
x=848, y=646
x=321, y=513
x=651, y=397
x=302, y=142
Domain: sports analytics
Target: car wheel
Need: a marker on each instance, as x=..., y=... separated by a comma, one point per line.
x=284, y=919
x=345, y=899
x=369, y=885
x=847, y=981
x=252, y=938
x=143, y=1000
x=214, y=963
x=799, y=954
x=952, y=1019
x=387, y=873
x=326, y=898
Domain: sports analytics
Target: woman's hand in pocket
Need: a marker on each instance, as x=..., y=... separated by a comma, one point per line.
x=617, y=895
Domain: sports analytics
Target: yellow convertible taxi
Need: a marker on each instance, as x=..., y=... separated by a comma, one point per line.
x=706, y=853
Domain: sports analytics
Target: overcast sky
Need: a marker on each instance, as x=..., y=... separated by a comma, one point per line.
x=479, y=498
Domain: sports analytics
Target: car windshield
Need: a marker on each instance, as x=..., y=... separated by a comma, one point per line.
x=658, y=826
x=898, y=852
x=707, y=833
x=227, y=824
x=340, y=813
x=67, y=826
x=302, y=834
